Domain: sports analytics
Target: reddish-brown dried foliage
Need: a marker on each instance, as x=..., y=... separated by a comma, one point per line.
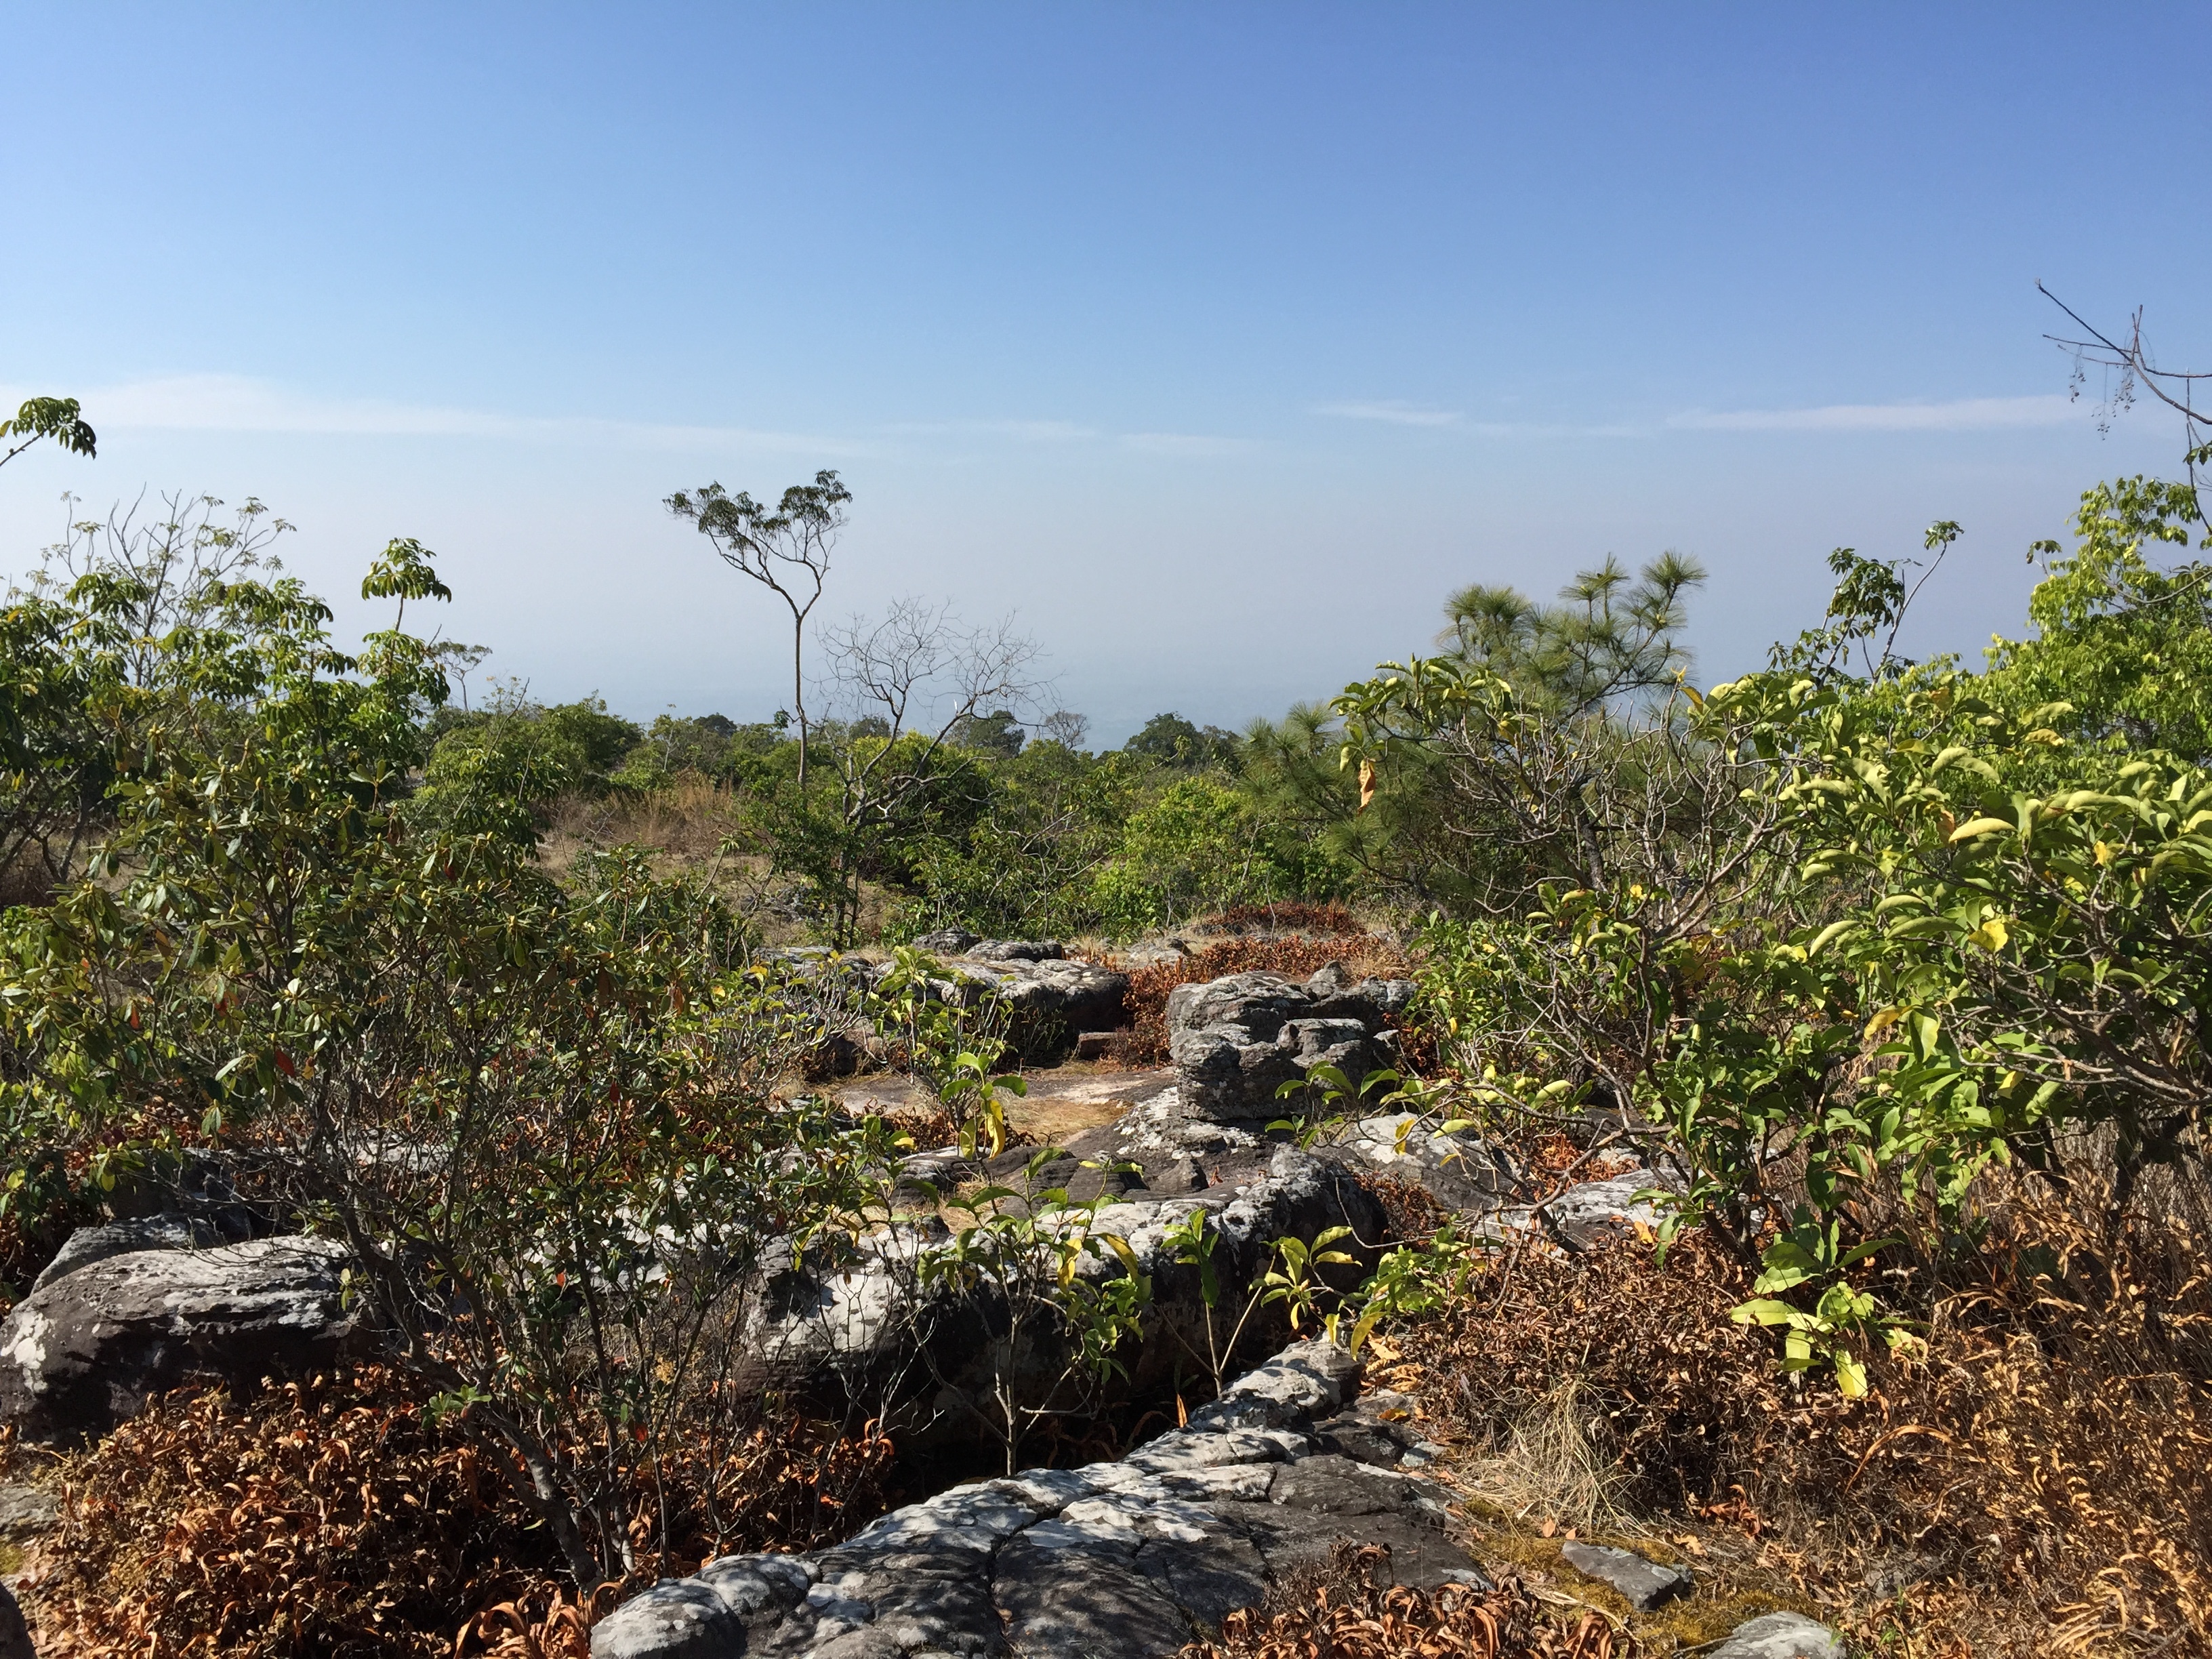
x=1408, y=1208
x=2041, y=1482
x=1290, y=916
x=324, y=1518
x=334, y=1518
x=1342, y=1612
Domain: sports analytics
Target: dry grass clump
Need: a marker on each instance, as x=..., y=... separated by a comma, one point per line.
x=1635, y=1368
x=1145, y=1042
x=696, y=826
x=338, y=1517
x=2039, y=1482
x=1348, y=1609
x=1332, y=919
x=686, y=820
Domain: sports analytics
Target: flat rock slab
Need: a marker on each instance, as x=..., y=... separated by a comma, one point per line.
x=87, y=1351
x=1123, y=1560
x=26, y=1512
x=154, y=1232
x=1061, y=1103
x=1644, y=1584
x=1781, y=1636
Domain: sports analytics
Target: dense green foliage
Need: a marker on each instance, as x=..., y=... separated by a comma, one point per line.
x=539, y=1112
x=2127, y=642
x=976, y=826
x=1848, y=938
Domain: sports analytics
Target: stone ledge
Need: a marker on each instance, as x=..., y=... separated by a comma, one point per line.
x=1122, y=1560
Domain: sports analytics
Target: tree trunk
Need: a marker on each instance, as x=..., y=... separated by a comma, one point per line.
x=799, y=699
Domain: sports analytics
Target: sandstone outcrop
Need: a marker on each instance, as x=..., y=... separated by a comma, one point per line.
x=854, y=1319
x=1122, y=1560
x=1051, y=1000
x=1236, y=1042
x=154, y=1232
x=1128, y=1560
x=87, y=1351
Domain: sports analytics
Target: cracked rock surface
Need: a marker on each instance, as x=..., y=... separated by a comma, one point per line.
x=154, y=1232
x=1123, y=1560
x=1236, y=1040
x=865, y=1313
x=85, y=1352
x=1780, y=1635
x=1644, y=1583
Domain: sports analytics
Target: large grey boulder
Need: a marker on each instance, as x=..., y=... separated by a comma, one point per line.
x=1050, y=1000
x=947, y=942
x=859, y=1319
x=154, y=1232
x=1124, y=1560
x=87, y=1351
x=1236, y=1042
x=1015, y=949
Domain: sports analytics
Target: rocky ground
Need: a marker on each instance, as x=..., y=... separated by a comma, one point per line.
x=1131, y=1560
x=1122, y=1560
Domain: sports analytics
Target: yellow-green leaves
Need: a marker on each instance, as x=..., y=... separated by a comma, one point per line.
x=1974, y=828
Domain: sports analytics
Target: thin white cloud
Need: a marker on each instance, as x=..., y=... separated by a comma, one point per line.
x=1551, y=429
x=1186, y=443
x=1393, y=411
x=235, y=403
x=1959, y=415
x=1039, y=432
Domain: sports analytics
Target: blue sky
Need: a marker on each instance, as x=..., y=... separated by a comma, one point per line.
x=1219, y=341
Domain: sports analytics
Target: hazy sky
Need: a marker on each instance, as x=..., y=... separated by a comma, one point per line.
x=1219, y=342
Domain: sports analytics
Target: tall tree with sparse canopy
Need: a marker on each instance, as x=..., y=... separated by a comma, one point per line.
x=786, y=549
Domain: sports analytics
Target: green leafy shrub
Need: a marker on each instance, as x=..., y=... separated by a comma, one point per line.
x=1202, y=847
x=1853, y=941
x=498, y=772
x=544, y=1118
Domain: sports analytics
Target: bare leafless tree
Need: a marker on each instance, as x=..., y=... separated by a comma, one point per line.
x=2127, y=368
x=461, y=661
x=922, y=672
x=1066, y=727
x=915, y=676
